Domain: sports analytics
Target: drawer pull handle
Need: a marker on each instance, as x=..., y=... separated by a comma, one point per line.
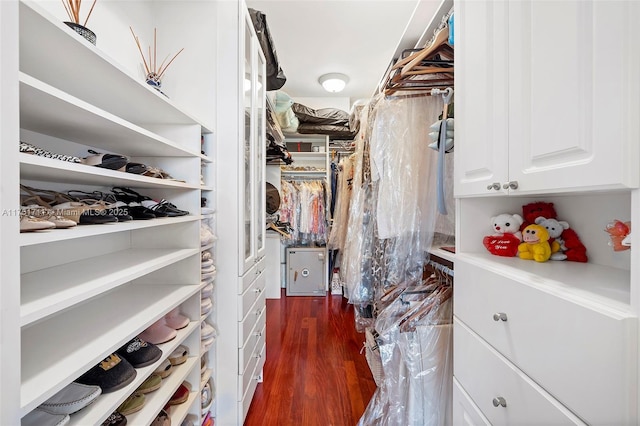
x=258, y=333
x=511, y=185
x=494, y=185
x=499, y=402
x=500, y=316
x=258, y=290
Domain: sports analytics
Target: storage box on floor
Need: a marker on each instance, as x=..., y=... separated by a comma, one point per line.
x=306, y=271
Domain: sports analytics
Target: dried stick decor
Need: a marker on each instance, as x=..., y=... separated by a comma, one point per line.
x=154, y=73
x=72, y=7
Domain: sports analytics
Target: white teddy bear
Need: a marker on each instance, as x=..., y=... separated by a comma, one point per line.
x=507, y=223
x=555, y=229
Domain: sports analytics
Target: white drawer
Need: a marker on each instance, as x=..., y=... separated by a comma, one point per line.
x=251, y=294
x=255, y=341
x=465, y=411
x=256, y=313
x=581, y=354
x=486, y=375
x=252, y=373
x=252, y=274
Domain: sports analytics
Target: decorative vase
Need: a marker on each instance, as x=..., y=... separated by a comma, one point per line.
x=155, y=82
x=85, y=32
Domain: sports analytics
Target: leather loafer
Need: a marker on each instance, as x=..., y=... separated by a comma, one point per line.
x=73, y=397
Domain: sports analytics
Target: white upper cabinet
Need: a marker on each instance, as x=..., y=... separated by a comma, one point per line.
x=252, y=181
x=572, y=90
x=481, y=101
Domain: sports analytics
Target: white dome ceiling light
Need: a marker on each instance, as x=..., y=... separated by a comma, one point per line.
x=333, y=82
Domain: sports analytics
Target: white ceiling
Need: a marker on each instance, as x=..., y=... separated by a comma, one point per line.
x=354, y=37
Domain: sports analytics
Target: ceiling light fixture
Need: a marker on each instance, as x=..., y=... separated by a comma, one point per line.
x=333, y=82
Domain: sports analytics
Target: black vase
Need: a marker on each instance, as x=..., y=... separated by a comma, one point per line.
x=85, y=32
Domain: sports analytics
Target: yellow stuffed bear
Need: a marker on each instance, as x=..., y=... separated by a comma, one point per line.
x=536, y=244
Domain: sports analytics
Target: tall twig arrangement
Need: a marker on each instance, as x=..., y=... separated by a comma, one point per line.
x=73, y=10
x=150, y=65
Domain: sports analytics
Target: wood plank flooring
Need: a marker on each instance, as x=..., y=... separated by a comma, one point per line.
x=314, y=373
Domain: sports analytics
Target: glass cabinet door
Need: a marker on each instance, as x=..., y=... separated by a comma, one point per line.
x=247, y=228
x=260, y=148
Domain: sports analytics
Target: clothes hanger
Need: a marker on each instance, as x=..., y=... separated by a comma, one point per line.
x=441, y=39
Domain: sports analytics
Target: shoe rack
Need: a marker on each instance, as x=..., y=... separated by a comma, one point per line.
x=79, y=294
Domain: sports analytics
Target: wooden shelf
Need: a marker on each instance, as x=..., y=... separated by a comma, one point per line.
x=101, y=82
x=156, y=400
x=57, y=351
x=107, y=403
x=207, y=188
x=596, y=286
x=51, y=290
x=34, y=167
x=83, y=231
x=48, y=110
x=310, y=155
x=206, y=158
x=179, y=412
x=205, y=378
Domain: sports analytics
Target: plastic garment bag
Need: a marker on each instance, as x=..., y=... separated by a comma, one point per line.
x=415, y=343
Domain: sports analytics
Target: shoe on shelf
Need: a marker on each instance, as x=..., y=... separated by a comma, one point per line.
x=175, y=319
x=207, y=331
x=180, y=395
x=203, y=364
x=206, y=263
x=164, y=207
x=132, y=404
x=165, y=369
x=115, y=419
x=190, y=420
x=206, y=255
x=111, y=374
x=73, y=397
x=49, y=215
x=205, y=306
x=32, y=223
x=140, y=353
x=206, y=396
x=179, y=355
x=208, y=272
x=206, y=291
x=28, y=148
x=162, y=419
x=153, y=382
x=158, y=332
x=39, y=417
x=106, y=161
x=205, y=344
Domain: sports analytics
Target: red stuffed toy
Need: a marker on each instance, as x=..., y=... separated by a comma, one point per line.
x=531, y=211
x=575, y=250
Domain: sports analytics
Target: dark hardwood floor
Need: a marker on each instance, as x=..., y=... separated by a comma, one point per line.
x=314, y=373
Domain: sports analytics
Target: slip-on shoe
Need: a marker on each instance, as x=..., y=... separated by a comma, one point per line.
x=140, y=353
x=179, y=355
x=73, y=397
x=111, y=374
x=115, y=419
x=152, y=383
x=162, y=419
x=180, y=396
x=39, y=417
x=165, y=369
x=133, y=403
x=175, y=319
x=158, y=332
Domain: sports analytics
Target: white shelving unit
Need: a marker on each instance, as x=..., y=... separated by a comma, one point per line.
x=564, y=345
x=69, y=298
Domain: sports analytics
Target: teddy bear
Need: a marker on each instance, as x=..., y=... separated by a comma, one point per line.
x=531, y=211
x=575, y=250
x=536, y=244
x=507, y=223
x=555, y=228
x=506, y=236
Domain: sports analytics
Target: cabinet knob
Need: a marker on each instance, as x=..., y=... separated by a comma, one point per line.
x=258, y=290
x=494, y=185
x=499, y=402
x=258, y=333
x=500, y=316
x=511, y=185
x=258, y=312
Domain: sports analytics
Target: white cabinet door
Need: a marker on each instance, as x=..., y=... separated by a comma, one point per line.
x=465, y=412
x=481, y=98
x=572, y=94
x=260, y=146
